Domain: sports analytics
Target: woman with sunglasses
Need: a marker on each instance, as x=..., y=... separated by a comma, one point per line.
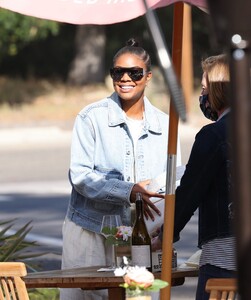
x=119, y=143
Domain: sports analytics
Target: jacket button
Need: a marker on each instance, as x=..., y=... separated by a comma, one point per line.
x=128, y=178
x=128, y=152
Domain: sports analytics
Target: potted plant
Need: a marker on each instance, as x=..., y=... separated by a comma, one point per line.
x=139, y=282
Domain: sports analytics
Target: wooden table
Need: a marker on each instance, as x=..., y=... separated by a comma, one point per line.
x=89, y=279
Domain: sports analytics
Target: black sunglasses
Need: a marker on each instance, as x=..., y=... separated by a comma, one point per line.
x=135, y=74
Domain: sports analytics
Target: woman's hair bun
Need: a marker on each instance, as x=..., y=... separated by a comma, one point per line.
x=132, y=42
x=133, y=47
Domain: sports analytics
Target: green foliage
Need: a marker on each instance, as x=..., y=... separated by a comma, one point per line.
x=136, y=288
x=110, y=234
x=109, y=231
x=35, y=48
x=44, y=294
x=157, y=285
x=13, y=246
x=17, y=30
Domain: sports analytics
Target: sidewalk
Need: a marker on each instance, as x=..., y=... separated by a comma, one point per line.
x=35, y=137
x=40, y=137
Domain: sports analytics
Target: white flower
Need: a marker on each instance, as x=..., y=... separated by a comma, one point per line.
x=125, y=232
x=139, y=278
x=120, y=271
x=139, y=275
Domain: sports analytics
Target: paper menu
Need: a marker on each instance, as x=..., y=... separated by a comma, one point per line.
x=158, y=184
x=194, y=260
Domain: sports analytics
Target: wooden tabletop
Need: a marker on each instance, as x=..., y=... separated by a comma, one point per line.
x=90, y=278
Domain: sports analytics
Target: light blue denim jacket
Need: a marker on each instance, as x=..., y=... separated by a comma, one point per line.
x=102, y=157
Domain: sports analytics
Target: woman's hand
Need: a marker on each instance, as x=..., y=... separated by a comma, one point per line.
x=156, y=244
x=146, y=195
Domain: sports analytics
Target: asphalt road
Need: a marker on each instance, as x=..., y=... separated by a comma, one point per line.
x=34, y=186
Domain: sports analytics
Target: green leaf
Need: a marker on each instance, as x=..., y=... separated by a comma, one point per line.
x=111, y=240
x=107, y=230
x=14, y=247
x=157, y=285
x=17, y=30
x=114, y=230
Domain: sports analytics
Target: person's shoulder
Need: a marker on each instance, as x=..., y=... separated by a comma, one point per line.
x=102, y=103
x=159, y=112
x=216, y=129
x=161, y=116
x=206, y=129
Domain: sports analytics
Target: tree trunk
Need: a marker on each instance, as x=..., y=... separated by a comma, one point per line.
x=88, y=64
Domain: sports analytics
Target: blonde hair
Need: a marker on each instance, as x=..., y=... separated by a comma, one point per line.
x=218, y=80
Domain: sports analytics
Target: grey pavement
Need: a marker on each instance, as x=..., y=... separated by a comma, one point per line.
x=34, y=186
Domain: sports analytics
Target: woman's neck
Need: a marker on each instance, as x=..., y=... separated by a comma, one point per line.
x=223, y=112
x=135, y=111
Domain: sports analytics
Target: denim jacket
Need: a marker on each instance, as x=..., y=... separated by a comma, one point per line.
x=102, y=157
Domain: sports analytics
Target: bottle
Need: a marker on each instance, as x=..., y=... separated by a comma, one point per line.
x=174, y=259
x=141, y=242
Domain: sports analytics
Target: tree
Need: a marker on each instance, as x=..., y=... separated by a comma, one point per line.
x=82, y=54
x=17, y=31
x=88, y=64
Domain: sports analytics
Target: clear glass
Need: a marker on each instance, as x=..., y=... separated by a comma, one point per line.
x=123, y=254
x=138, y=295
x=110, y=223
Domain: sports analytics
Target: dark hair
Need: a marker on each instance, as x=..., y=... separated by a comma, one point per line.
x=133, y=47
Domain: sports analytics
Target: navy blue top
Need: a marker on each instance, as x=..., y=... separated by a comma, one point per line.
x=205, y=184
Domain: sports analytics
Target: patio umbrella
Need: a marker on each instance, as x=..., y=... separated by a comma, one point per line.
x=181, y=11
x=110, y=12
x=88, y=11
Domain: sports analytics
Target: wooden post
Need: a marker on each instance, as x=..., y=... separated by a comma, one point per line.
x=166, y=273
x=187, y=57
x=241, y=169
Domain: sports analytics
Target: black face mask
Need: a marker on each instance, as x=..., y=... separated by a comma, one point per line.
x=207, y=109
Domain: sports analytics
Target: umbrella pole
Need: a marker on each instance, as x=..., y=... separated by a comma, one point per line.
x=187, y=57
x=166, y=273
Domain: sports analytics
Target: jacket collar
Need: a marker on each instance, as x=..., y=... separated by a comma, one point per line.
x=116, y=116
x=225, y=112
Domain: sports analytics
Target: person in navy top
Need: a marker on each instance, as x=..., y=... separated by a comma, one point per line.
x=206, y=181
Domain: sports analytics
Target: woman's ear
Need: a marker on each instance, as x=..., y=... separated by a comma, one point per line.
x=149, y=76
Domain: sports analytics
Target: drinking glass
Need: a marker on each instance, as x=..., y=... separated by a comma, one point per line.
x=109, y=226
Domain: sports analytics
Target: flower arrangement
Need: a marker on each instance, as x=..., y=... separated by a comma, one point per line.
x=139, y=279
x=118, y=235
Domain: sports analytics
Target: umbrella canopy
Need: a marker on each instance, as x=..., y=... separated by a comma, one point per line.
x=88, y=11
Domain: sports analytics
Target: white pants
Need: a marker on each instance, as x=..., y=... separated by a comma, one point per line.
x=82, y=248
